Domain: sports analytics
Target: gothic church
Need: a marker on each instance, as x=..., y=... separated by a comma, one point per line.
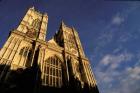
x=29, y=63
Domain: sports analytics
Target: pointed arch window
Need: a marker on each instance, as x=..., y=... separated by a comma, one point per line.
x=36, y=23
x=52, y=74
x=21, y=51
x=26, y=53
x=28, y=62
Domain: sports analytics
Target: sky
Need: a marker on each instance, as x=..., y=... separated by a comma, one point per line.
x=109, y=31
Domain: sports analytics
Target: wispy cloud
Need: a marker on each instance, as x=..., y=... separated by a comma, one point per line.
x=130, y=80
x=107, y=33
x=117, y=20
x=115, y=60
x=118, y=70
x=126, y=36
x=125, y=80
x=118, y=49
x=134, y=72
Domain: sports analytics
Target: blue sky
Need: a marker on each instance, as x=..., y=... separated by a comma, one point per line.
x=109, y=32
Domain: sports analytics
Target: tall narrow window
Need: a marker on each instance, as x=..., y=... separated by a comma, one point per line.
x=52, y=70
x=36, y=23
x=29, y=57
x=25, y=53
x=21, y=51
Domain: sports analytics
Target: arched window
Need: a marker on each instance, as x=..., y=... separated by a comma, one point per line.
x=28, y=61
x=21, y=51
x=52, y=74
x=25, y=53
x=36, y=23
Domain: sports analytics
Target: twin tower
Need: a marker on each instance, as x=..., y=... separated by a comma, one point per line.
x=59, y=62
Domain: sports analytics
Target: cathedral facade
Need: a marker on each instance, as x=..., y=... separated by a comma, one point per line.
x=56, y=63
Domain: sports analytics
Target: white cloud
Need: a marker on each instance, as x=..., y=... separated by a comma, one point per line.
x=117, y=20
x=124, y=80
x=105, y=37
x=110, y=63
x=108, y=32
x=118, y=49
x=110, y=79
x=126, y=36
x=106, y=60
x=104, y=77
x=134, y=72
x=115, y=60
x=130, y=80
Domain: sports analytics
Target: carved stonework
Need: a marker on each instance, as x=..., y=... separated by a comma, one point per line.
x=31, y=33
x=33, y=64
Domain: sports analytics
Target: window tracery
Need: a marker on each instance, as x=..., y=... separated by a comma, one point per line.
x=26, y=52
x=52, y=72
x=36, y=23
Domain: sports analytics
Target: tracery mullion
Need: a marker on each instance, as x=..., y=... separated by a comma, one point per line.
x=54, y=66
x=12, y=48
x=90, y=74
x=50, y=64
x=5, y=47
x=42, y=60
x=49, y=70
x=59, y=77
x=9, y=48
x=25, y=59
x=43, y=74
x=42, y=70
x=87, y=72
x=93, y=79
x=85, y=67
x=22, y=57
x=15, y=51
x=54, y=72
x=38, y=23
x=21, y=54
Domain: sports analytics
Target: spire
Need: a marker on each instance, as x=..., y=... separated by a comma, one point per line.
x=32, y=7
x=73, y=28
x=62, y=24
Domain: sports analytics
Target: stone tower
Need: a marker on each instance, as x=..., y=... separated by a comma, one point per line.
x=60, y=60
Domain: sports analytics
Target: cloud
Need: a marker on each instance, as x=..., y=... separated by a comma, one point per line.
x=109, y=31
x=117, y=72
x=115, y=60
x=118, y=49
x=126, y=36
x=112, y=80
x=117, y=20
x=111, y=62
x=135, y=72
x=130, y=80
